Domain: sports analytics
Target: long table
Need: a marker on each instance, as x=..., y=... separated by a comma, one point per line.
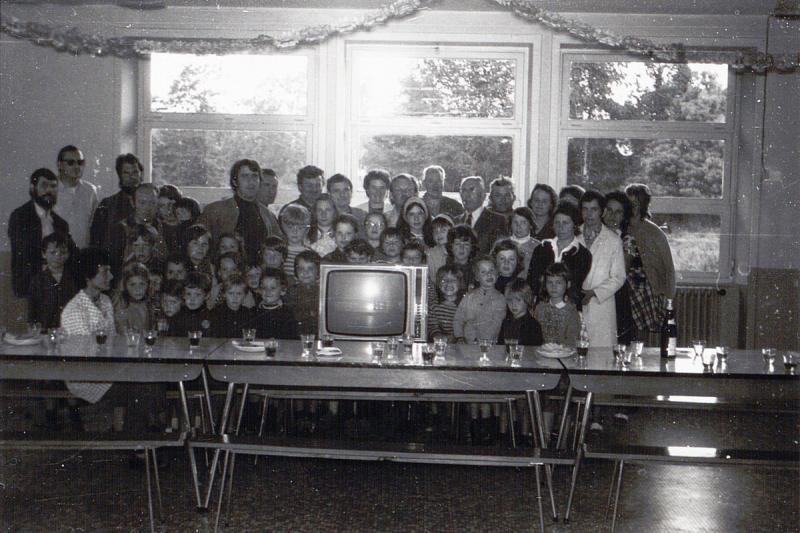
x=744, y=378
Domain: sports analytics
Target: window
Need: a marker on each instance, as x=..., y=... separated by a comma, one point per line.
x=202, y=113
x=462, y=107
x=667, y=125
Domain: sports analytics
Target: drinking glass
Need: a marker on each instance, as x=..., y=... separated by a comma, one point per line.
x=428, y=353
x=790, y=361
x=708, y=356
x=699, y=346
x=510, y=343
x=34, y=329
x=163, y=325
x=100, y=336
x=638, y=347
x=769, y=354
x=327, y=341
x=516, y=354
x=484, y=345
x=378, y=348
x=194, y=339
x=133, y=336
x=308, y=343
x=150, y=337
x=722, y=353
x=627, y=354
x=440, y=345
x=270, y=347
x=248, y=335
x=408, y=345
x=392, y=345
x=619, y=351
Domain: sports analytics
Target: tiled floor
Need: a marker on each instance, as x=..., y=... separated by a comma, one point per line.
x=98, y=491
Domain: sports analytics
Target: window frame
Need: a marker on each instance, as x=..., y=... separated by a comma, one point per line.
x=267, y=123
x=724, y=206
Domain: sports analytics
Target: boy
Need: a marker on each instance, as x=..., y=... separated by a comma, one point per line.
x=273, y=253
x=449, y=284
x=303, y=295
x=194, y=316
x=518, y=323
x=274, y=319
x=480, y=313
x=176, y=267
x=359, y=252
x=53, y=287
x=295, y=221
x=345, y=228
x=171, y=303
x=229, y=319
x=413, y=254
x=391, y=246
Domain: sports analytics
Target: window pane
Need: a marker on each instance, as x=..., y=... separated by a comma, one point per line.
x=204, y=157
x=234, y=84
x=694, y=240
x=460, y=156
x=434, y=87
x=671, y=167
x=648, y=91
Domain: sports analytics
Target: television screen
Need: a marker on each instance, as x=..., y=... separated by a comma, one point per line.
x=366, y=303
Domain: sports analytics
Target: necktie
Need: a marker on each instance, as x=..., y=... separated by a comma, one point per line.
x=469, y=220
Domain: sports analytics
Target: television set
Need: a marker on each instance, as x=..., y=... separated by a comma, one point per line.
x=373, y=301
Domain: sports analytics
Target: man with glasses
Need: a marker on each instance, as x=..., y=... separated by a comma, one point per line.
x=119, y=206
x=77, y=199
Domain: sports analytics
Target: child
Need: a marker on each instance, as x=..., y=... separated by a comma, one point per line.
x=176, y=268
x=358, y=252
x=229, y=243
x=480, y=313
x=374, y=224
x=198, y=245
x=140, y=247
x=462, y=245
x=521, y=227
x=449, y=285
x=295, y=221
x=303, y=295
x=228, y=264
x=194, y=316
x=557, y=315
x=413, y=254
x=54, y=286
x=518, y=323
x=437, y=254
x=171, y=303
x=252, y=276
x=131, y=304
x=391, y=246
x=273, y=253
x=274, y=319
x=321, y=234
x=168, y=196
x=229, y=318
x=345, y=229
x=508, y=261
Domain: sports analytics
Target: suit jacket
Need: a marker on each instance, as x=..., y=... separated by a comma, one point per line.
x=221, y=217
x=447, y=206
x=490, y=227
x=25, y=237
x=111, y=210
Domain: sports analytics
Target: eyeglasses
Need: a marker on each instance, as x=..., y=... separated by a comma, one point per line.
x=73, y=162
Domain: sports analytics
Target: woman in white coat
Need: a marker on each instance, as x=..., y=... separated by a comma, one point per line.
x=605, y=277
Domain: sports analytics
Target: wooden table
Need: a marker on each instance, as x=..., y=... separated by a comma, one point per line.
x=459, y=377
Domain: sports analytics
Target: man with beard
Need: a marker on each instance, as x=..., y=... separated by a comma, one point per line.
x=29, y=224
x=119, y=206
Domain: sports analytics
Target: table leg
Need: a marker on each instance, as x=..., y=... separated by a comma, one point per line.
x=187, y=424
x=207, y=393
x=548, y=472
x=564, y=414
x=578, y=454
x=223, y=424
x=539, y=497
x=616, y=497
x=221, y=491
x=158, y=485
x=149, y=490
x=245, y=388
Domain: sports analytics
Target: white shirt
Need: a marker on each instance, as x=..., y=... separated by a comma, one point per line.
x=560, y=254
x=475, y=216
x=45, y=218
x=76, y=205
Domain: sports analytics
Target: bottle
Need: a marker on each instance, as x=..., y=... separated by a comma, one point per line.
x=583, y=343
x=669, y=333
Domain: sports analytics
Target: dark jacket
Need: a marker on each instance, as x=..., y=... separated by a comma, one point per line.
x=25, y=237
x=525, y=329
x=109, y=212
x=579, y=261
x=490, y=227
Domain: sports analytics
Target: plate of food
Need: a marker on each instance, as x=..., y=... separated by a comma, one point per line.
x=331, y=351
x=552, y=350
x=248, y=346
x=25, y=339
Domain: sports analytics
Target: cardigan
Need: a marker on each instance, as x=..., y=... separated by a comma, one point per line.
x=656, y=257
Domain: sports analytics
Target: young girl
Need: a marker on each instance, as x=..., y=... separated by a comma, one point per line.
x=462, y=245
x=295, y=221
x=521, y=228
x=449, y=286
x=508, y=261
x=556, y=313
x=228, y=243
x=228, y=264
x=321, y=233
x=437, y=254
x=198, y=245
x=374, y=224
x=132, y=305
x=480, y=313
x=518, y=323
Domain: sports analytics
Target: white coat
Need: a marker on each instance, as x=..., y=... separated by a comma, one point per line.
x=605, y=278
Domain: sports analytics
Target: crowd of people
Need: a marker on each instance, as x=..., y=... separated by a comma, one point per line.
x=149, y=257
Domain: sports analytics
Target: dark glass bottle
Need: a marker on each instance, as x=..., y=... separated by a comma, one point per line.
x=669, y=333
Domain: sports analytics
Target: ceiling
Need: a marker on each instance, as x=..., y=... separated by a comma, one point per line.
x=672, y=7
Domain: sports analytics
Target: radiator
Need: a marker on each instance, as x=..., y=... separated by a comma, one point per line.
x=697, y=310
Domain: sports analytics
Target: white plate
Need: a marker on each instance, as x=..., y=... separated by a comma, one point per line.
x=329, y=352
x=10, y=338
x=255, y=346
x=556, y=354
